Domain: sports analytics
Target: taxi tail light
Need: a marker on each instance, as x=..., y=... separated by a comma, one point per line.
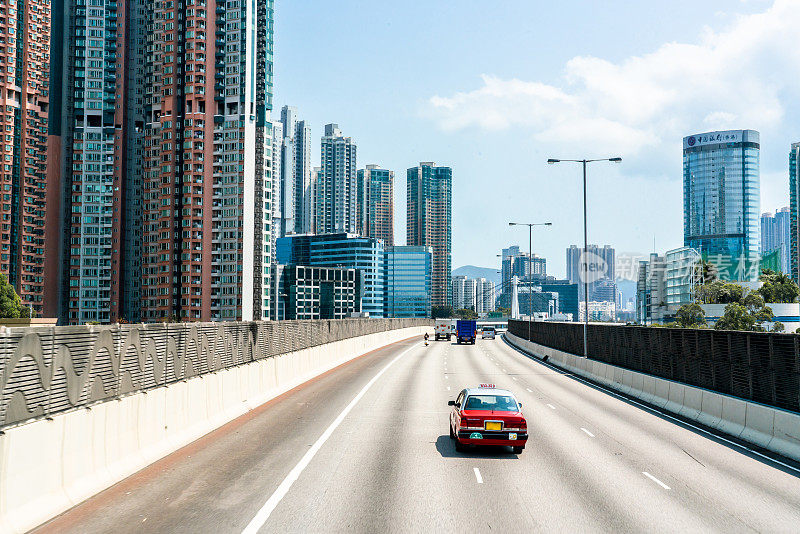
x=523, y=425
x=470, y=423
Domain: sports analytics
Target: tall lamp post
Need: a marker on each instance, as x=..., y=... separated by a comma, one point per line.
x=530, y=264
x=585, y=243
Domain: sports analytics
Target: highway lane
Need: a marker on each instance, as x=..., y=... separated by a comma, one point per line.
x=594, y=462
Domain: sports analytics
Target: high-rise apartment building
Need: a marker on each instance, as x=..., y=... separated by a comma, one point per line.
x=375, y=200
x=336, y=189
x=295, y=190
x=464, y=291
x=429, y=222
x=794, y=212
x=102, y=103
x=25, y=99
x=775, y=236
x=721, y=200
x=484, y=295
x=206, y=162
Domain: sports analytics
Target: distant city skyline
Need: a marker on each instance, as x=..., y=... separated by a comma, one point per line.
x=484, y=113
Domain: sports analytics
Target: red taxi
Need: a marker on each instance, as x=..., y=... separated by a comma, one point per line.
x=487, y=416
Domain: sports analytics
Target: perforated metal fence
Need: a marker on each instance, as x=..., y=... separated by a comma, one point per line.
x=757, y=366
x=44, y=371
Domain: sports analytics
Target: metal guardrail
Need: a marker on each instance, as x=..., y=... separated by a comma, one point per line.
x=45, y=371
x=757, y=366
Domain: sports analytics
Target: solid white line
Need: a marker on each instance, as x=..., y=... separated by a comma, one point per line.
x=666, y=415
x=478, y=475
x=654, y=479
x=587, y=432
x=552, y=407
x=263, y=514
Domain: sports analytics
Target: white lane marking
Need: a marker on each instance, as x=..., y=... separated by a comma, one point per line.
x=478, y=475
x=513, y=378
x=445, y=377
x=448, y=388
x=666, y=415
x=551, y=406
x=587, y=432
x=654, y=479
x=263, y=514
x=529, y=390
x=503, y=370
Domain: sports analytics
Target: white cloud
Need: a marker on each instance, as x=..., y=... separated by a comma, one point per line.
x=738, y=77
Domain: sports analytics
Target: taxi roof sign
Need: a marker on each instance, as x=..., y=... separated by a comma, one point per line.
x=487, y=386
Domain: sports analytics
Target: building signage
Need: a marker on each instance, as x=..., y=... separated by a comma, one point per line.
x=728, y=136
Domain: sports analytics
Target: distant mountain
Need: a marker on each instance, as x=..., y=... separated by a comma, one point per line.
x=471, y=271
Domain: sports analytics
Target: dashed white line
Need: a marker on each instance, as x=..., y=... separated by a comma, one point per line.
x=654, y=479
x=513, y=378
x=263, y=514
x=587, y=432
x=551, y=406
x=529, y=390
x=448, y=388
x=503, y=370
x=478, y=476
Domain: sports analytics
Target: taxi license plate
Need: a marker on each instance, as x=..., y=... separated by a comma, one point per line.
x=493, y=425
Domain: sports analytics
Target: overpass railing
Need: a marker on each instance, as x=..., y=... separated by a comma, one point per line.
x=757, y=366
x=45, y=371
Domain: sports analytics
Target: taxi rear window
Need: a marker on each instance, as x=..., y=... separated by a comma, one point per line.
x=497, y=403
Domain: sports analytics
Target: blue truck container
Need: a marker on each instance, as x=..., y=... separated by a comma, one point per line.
x=466, y=331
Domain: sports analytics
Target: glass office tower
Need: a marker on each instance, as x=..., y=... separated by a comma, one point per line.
x=408, y=281
x=721, y=200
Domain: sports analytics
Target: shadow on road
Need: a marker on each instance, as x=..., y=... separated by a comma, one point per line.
x=447, y=448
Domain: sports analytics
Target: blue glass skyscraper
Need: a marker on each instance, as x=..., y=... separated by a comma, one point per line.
x=721, y=200
x=408, y=281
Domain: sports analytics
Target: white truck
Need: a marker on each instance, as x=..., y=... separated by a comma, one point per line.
x=443, y=329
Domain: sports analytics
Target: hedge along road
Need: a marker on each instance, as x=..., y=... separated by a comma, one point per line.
x=593, y=462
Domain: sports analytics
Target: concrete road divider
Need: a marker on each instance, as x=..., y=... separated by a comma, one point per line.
x=771, y=428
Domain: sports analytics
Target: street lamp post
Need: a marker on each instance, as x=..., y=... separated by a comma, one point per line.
x=583, y=162
x=530, y=264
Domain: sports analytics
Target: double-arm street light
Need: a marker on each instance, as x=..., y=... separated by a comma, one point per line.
x=585, y=244
x=530, y=265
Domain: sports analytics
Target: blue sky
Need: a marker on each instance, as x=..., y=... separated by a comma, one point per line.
x=494, y=89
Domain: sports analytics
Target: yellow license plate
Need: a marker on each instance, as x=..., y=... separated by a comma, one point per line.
x=493, y=425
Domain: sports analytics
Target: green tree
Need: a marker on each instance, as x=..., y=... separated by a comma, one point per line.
x=719, y=292
x=505, y=311
x=778, y=327
x=464, y=313
x=777, y=287
x=690, y=316
x=735, y=317
x=10, y=304
x=441, y=312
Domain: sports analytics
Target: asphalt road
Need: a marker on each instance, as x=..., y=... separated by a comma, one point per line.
x=332, y=456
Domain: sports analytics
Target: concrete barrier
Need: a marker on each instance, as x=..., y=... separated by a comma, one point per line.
x=771, y=428
x=49, y=465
